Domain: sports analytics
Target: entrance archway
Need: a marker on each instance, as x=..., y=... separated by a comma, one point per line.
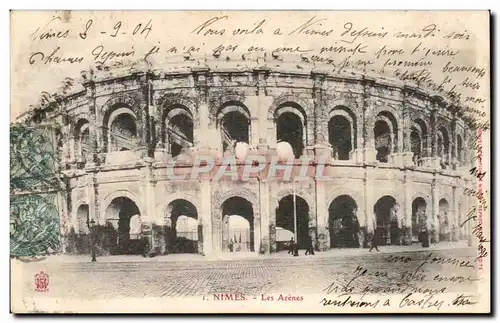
x=418, y=218
x=387, y=228
x=444, y=220
x=238, y=225
x=124, y=215
x=285, y=221
x=183, y=230
x=343, y=223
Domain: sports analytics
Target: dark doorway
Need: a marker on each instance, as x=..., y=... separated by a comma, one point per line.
x=183, y=232
x=124, y=213
x=339, y=136
x=285, y=218
x=386, y=222
x=418, y=218
x=343, y=223
x=383, y=142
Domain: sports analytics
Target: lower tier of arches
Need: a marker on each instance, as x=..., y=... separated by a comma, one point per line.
x=238, y=222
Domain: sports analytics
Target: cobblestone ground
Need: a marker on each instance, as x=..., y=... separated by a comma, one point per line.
x=309, y=274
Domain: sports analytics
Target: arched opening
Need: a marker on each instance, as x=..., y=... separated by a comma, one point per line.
x=386, y=136
x=443, y=147
x=418, y=218
x=289, y=128
x=82, y=140
x=418, y=141
x=124, y=216
x=383, y=141
x=123, y=133
x=183, y=229
x=238, y=225
x=235, y=127
x=343, y=223
x=179, y=133
x=416, y=146
x=387, y=229
x=285, y=221
x=444, y=220
x=340, y=137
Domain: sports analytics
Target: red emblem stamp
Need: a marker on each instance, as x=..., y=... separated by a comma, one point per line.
x=42, y=282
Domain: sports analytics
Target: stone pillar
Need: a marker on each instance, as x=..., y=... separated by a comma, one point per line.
x=74, y=152
x=273, y=205
x=433, y=134
x=370, y=151
x=428, y=149
x=271, y=133
x=253, y=105
x=454, y=225
x=406, y=221
x=433, y=219
x=322, y=216
x=94, y=211
x=370, y=218
x=206, y=216
x=151, y=221
x=264, y=216
x=64, y=218
x=370, y=154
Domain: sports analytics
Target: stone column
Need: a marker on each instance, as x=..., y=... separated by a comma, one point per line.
x=369, y=204
x=405, y=130
x=407, y=211
x=370, y=154
x=433, y=219
x=454, y=225
x=206, y=216
x=264, y=216
x=322, y=216
x=64, y=218
x=252, y=102
x=256, y=232
x=150, y=221
x=428, y=149
x=74, y=152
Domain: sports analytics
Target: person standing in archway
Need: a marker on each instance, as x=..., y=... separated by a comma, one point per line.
x=375, y=241
x=310, y=247
x=291, y=246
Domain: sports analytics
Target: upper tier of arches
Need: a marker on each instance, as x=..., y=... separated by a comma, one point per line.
x=346, y=123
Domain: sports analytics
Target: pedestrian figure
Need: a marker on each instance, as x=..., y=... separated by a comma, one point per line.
x=425, y=238
x=310, y=248
x=375, y=242
x=291, y=244
x=231, y=245
x=295, y=249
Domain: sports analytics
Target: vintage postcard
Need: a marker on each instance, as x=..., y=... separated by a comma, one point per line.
x=250, y=162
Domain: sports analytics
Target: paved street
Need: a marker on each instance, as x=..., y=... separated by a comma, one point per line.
x=280, y=273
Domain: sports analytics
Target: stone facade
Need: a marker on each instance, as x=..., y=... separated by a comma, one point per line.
x=397, y=156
